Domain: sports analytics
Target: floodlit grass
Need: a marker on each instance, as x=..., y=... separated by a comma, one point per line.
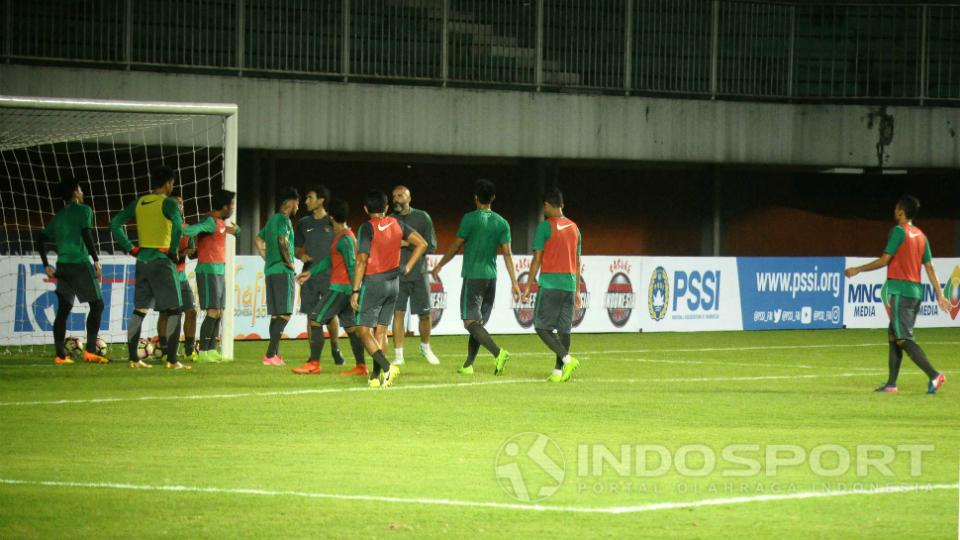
x=260, y=452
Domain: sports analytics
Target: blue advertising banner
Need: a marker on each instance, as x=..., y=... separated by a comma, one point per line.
x=782, y=293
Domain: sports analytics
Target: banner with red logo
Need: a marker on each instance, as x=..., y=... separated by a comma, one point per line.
x=864, y=306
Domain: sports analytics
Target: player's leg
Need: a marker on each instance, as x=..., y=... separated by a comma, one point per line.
x=333, y=328
x=166, y=288
x=388, y=301
x=476, y=298
x=189, y=322
x=565, y=307
x=421, y=306
x=279, y=306
x=399, y=314
x=142, y=302
x=211, y=290
x=87, y=287
x=64, y=307
x=906, y=315
x=546, y=317
x=162, y=332
x=349, y=318
x=324, y=311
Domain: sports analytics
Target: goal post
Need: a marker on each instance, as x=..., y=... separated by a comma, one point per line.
x=110, y=145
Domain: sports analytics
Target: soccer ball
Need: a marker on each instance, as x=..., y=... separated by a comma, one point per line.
x=101, y=347
x=158, y=351
x=144, y=349
x=74, y=346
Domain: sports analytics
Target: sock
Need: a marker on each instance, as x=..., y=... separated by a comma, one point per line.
x=316, y=343
x=60, y=325
x=919, y=358
x=380, y=362
x=398, y=353
x=551, y=341
x=93, y=324
x=189, y=333
x=173, y=337
x=205, y=327
x=357, y=346
x=189, y=345
x=162, y=331
x=277, y=324
x=133, y=335
x=335, y=353
x=472, y=349
x=564, y=338
x=214, y=332
x=479, y=333
x=424, y=347
x=893, y=362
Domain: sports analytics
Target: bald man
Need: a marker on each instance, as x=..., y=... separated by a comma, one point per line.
x=415, y=286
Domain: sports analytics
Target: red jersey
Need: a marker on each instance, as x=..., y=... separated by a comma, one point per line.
x=561, y=248
x=909, y=248
x=380, y=238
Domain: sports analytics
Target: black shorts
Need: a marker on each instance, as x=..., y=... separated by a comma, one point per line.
x=280, y=293
x=553, y=310
x=211, y=290
x=903, y=315
x=417, y=292
x=157, y=286
x=77, y=280
x=476, y=299
x=335, y=304
x=377, y=300
x=311, y=291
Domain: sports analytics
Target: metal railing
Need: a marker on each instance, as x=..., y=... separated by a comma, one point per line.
x=721, y=48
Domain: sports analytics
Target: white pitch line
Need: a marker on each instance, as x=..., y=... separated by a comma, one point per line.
x=734, y=379
x=264, y=394
x=735, y=349
x=484, y=504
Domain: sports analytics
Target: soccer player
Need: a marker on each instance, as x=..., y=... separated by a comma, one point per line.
x=275, y=244
x=340, y=264
x=311, y=240
x=482, y=234
x=556, y=255
x=159, y=223
x=71, y=229
x=211, y=237
x=378, y=266
x=415, y=286
x=907, y=250
x=189, y=308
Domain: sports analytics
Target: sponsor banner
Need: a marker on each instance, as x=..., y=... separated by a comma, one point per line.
x=780, y=293
x=864, y=308
x=690, y=294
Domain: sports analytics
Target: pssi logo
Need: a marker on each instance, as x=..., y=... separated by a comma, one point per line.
x=438, y=300
x=699, y=290
x=36, y=303
x=619, y=299
x=658, y=294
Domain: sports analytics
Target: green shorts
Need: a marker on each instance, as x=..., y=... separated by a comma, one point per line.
x=280, y=294
x=77, y=280
x=211, y=290
x=553, y=310
x=334, y=304
x=157, y=286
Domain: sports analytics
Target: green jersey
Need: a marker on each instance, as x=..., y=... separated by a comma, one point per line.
x=483, y=231
x=65, y=229
x=278, y=226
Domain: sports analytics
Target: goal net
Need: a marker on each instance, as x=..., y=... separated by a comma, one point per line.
x=110, y=146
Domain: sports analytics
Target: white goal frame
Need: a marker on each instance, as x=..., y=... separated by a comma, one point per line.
x=227, y=111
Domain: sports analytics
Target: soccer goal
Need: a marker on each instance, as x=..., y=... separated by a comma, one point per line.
x=110, y=146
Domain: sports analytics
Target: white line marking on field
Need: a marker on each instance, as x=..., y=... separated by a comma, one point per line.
x=265, y=394
x=733, y=379
x=733, y=349
x=483, y=504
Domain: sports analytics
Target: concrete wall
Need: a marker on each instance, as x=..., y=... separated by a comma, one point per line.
x=331, y=116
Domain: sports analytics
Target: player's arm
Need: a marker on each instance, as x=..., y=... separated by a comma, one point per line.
x=119, y=233
x=927, y=261
x=532, y=276
x=43, y=246
x=86, y=234
x=897, y=236
x=577, y=300
x=205, y=226
x=431, y=234
x=347, y=246
x=285, y=251
x=364, y=237
x=448, y=256
x=418, y=243
x=311, y=268
x=505, y=250
x=540, y=237
x=261, y=243
x=171, y=210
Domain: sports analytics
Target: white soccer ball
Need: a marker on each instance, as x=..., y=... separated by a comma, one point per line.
x=102, y=347
x=144, y=349
x=74, y=346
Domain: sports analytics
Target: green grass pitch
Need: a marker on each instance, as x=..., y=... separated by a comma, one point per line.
x=243, y=450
